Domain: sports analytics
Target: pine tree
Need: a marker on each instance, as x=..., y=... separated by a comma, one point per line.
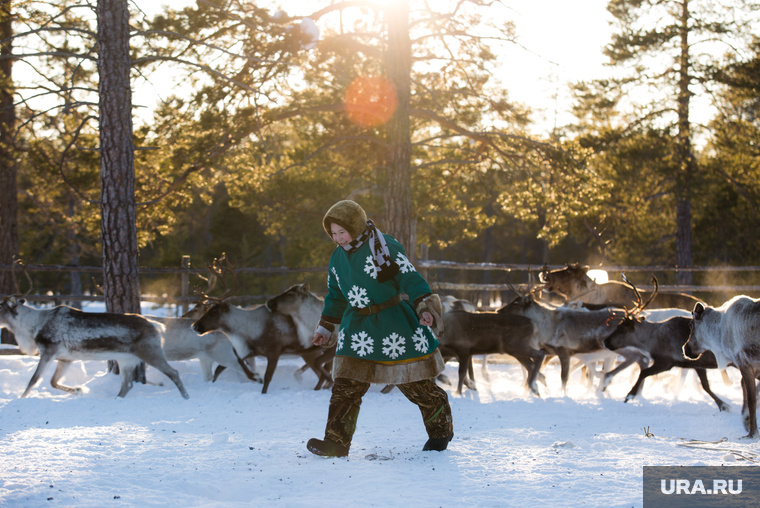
x=664, y=51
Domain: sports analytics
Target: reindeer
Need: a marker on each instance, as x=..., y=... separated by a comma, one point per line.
x=181, y=342
x=564, y=331
x=660, y=348
x=451, y=303
x=573, y=283
x=730, y=332
x=472, y=333
x=65, y=334
x=657, y=346
x=257, y=331
x=305, y=309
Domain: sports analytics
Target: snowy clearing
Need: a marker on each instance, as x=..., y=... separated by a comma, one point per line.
x=229, y=445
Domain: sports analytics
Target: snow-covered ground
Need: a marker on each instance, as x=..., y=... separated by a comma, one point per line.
x=230, y=445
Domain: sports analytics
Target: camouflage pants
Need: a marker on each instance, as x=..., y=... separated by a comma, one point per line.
x=346, y=400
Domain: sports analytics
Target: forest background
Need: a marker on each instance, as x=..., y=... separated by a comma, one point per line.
x=269, y=113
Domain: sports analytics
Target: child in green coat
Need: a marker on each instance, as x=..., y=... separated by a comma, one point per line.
x=382, y=338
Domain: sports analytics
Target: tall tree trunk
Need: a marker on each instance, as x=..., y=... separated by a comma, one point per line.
x=117, y=173
x=686, y=156
x=397, y=194
x=118, y=229
x=8, y=168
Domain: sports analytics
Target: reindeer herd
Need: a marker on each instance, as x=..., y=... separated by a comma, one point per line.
x=600, y=326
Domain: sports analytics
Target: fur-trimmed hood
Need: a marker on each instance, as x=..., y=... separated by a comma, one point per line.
x=347, y=214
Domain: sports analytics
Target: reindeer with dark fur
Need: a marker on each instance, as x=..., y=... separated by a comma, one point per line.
x=476, y=333
x=656, y=347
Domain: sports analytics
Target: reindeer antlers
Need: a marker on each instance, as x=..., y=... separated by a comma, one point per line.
x=16, y=285
x=640, y=304
x=218, y=269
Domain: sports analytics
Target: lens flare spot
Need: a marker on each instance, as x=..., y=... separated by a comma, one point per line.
x=370, y=101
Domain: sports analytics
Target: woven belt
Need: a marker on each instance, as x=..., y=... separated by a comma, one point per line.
x=374, y=309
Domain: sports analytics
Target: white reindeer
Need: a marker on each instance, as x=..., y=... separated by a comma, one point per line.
x=181, y=342
x=731, y=333
x=65, y=334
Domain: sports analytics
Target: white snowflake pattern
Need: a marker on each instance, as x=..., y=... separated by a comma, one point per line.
x=358, y=297
x=405, y=266
x=362, y=344
x=341, y=338
x=335, y=274
x=370, y=268
x=395, y=345
x=420, y=341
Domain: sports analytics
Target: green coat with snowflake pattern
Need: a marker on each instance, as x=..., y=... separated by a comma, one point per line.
x=394, y=334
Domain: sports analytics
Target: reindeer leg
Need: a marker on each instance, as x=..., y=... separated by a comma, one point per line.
x=484, y=369
x=127, y=372
x=745, y=413
x=656, y=368
x=206, y=364
x=310, y=358
x=608, y=364
x=607, y=378
x=469, y=380
x=243, y=365
x=172, y=374
x=750, y=397
x=325, y=364
x=564, y=362
x=45, y=359
x=272, y=360
x=464, y=362
x=219, y=369
x=317, y=364
x=154, y=356
x=629, y=359
x=59, y=371
x=702, y=374
x=328, y=365
x=532, y=363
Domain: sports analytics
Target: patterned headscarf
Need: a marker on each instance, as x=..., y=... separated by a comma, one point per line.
x=381, y=256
